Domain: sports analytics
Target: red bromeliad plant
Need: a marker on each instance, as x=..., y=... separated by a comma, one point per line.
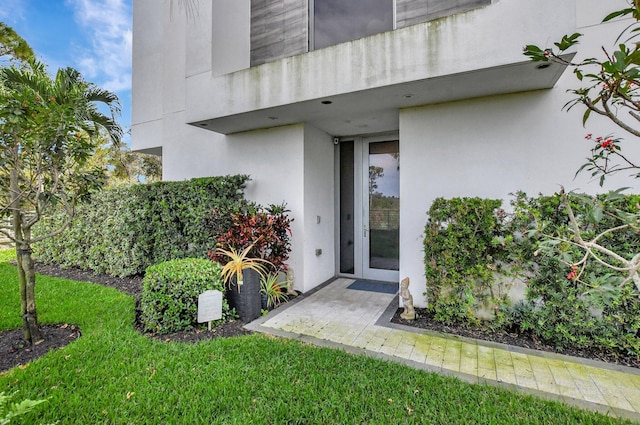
x=265, y=231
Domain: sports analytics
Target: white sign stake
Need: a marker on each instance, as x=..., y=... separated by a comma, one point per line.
x=209, y=307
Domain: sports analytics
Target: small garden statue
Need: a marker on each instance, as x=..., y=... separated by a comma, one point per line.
x=407, y=301
x=290, y=290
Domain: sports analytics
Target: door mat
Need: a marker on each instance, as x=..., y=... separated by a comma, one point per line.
x=367, y=285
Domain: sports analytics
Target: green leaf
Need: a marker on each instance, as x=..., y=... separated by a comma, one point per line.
x=568, y=41
x=608, y=67
x=585, y=165
x=578, y=73
x=532, y=48
x=535, y=53
x=585, y=117
x=595, y=214
x=617, y=194
x=620, y=60
x=617, y=14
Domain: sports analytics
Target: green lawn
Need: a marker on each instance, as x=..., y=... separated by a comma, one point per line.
x=112, y=375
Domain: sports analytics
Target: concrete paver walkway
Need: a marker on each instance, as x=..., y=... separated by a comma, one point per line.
x=358, y=321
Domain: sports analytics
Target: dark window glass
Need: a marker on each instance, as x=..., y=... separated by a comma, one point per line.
x=337, y=21
x=347, y=229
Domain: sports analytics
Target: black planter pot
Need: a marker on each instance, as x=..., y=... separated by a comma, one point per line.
x=247, y=300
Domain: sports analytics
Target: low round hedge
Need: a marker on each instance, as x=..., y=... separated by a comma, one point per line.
x=170, y=290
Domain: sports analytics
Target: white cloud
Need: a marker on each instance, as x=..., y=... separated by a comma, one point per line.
x=11, y=11
x=107, y=24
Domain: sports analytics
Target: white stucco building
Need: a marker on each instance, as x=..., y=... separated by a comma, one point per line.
x=360, y=113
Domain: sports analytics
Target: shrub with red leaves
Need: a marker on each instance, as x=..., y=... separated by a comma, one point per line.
x=269, y=229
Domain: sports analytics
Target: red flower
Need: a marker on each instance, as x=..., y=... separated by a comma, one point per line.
x=547, y=53
x=598, y=138
x=607, y=144
x=588, y=136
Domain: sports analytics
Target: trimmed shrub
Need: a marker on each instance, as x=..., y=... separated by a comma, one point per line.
x=124, y=230
x=472, y=248
x=560, y=309
x=169, y=301
x=460, y=258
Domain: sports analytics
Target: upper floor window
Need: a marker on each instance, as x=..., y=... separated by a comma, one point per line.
x=337, y=21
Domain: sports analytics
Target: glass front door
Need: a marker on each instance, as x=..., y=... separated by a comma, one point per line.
x=381, y=221
x=369, y=187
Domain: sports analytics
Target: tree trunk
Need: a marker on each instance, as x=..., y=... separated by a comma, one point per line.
x=30, y=320
x=22, y=279
x=26, y=268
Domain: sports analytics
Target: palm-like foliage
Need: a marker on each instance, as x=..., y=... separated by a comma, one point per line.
x=274, y=289
x=49, y=129
x=69, y=90
x=239, y=261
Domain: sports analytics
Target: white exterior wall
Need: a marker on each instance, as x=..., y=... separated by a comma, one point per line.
x=231, y=40
x=494, y=146
x=146, y=106
x=319, y=199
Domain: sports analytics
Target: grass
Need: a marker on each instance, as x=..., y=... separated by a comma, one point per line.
x=113, y=375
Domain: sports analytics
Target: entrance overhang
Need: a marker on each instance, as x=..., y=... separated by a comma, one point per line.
x=377, y=109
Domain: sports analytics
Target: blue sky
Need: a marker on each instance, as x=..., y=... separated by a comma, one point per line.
x=92, y=36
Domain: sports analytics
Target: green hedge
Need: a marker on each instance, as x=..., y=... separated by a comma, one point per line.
x=577, y=313
x=122, y=231
x=170, y=290
x=459, y=257
x=474, y=251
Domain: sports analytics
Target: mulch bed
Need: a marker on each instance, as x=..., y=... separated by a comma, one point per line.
x=424, y=320
x=14, y=351
x=129, y=285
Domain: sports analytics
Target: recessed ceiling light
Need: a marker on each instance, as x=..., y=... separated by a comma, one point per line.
x=326, y=102
x=543, y=66
x=408, y=96
x=203, y=124
x=273, y=118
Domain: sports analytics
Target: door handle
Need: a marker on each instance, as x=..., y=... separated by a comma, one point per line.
x=364, y=230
